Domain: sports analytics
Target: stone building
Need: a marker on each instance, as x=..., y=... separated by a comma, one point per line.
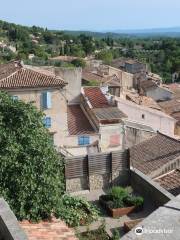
x=116, y=79
x=105, y=117
x=156, y=156
x=79, y=121
x=150, y=88
x=155, y=119
x=45, y=91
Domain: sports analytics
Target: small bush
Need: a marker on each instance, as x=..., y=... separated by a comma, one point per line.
x=98, y=234
x=76, y=211
x=118, y=193
x=119, y=197
x=133, y=200
x=116, y=235
x=116, y=204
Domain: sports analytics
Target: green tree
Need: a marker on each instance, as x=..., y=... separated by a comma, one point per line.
x=105, y=56
x=79, y=63
x=31, y=172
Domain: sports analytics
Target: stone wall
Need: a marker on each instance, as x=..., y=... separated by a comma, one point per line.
x=73, y=76
x=9, y=227
x=98, y=181
x=97, y=171
x=77, y=184
x=146, y=187
x=135, y=136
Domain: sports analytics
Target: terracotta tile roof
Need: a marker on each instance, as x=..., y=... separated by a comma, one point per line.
x=77, y=122
x=175, y=88
x=153, y=153
x=142, y=100
x=170, y=181
x=148, y=84
x=96, y=97
x=9, y=68
x=27, y=78
x=113, y=80
x=171, y=106
x=55, y=230
x=89, y=76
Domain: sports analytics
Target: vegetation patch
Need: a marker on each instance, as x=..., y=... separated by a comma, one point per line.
x=119, y=198
x=31, y=171
x=76, y=211
x=98, y=234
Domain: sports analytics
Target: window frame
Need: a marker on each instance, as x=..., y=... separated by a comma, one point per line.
x=47, y=121
x=83, y=140
x=46, y=100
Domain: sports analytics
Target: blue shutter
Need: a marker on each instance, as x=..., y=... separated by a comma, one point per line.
x=86, y=140
x=83, y=140
x=46, y=100
x=47, y=122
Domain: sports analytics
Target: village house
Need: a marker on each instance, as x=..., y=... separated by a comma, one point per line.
x=79, y=121
x=105, y=117
x=150, y=88
x=137, y=69
x=45, y=91
x=156, y=156
x=116, y=79
x=172, y=107
x=148, y=116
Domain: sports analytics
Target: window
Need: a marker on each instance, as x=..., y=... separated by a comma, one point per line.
x=46, y=100
x=143, y=116
x=52, y=138
x=47, y=122
x=15, y=98
x=83, y=140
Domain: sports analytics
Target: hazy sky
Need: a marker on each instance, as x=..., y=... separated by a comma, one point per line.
x=92, y=14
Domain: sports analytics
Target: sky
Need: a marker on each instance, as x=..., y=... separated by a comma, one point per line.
x=95, y=15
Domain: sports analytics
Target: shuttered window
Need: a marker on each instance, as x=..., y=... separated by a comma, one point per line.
x=47, y=122
x=46, y=100
x=83, y=140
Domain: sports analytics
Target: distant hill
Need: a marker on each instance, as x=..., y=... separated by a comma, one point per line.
x=170, y=32
x=155, y=32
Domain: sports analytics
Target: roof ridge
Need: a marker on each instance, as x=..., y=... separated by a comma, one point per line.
x=41, y=73
x=176, y=140
x=10, y=75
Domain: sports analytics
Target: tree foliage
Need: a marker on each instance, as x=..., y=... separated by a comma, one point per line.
x=79, y=63
x=31, y=172
x=105, y=56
